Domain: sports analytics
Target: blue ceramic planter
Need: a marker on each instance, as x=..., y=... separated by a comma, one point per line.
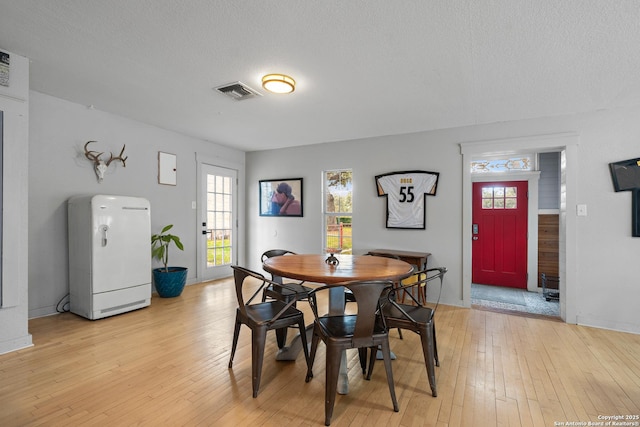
x=169, y=284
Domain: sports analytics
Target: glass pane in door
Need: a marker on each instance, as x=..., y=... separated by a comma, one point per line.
x=219, y=220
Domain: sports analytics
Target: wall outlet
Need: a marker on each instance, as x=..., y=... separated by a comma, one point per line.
x=581, y=210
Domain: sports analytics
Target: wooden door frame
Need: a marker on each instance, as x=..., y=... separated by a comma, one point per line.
x=567, y=144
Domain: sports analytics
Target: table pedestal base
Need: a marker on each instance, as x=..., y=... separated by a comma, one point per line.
x=295, y=346
x=380, y=357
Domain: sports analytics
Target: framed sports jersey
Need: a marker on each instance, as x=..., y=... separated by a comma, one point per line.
x=406, y=194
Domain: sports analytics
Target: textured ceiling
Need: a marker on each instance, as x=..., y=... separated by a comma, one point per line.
x=363, y=67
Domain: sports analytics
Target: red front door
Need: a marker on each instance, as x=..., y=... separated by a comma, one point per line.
x=500, y=233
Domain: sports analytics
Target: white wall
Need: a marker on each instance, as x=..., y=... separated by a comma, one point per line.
x=14, y=102
x=58, y=170
x=366, y=158
x=604, y=288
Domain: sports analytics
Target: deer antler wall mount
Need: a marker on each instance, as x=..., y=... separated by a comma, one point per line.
x=100, y=165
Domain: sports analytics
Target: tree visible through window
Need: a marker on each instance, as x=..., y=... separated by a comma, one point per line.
x=338, y=208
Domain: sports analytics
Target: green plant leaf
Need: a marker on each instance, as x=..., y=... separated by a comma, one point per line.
x=160, y=245
x=158, y=252
x=177, y=242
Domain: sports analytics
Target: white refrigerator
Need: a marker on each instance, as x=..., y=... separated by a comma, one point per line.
x=109, y=255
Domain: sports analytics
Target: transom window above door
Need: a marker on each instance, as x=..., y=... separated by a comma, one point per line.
x=524, y=162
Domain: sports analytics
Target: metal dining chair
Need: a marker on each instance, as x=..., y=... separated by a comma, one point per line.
x=417, y=317
x=341, y=332
x=295, y=291
x=349, y=297
x=262, y=317
x=277, y=292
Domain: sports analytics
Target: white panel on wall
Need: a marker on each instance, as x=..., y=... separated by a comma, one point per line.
x=167, y=168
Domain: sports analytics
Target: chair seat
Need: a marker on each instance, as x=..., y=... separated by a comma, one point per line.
x=417, y=313
x=343, y=327
x=264, y=312
x=291, y=290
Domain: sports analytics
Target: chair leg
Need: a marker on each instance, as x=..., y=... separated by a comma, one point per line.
x=258, y=340
x=435, y=344
x=426, y=337
x=334, y=356
x=362, y=355
x=236, y=334
x=303, y=339
x=312, y=356
x=400, y=333
x=386, y=354
x=281, y=337
x=372, y=361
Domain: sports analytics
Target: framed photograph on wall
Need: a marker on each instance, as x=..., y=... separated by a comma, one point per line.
x=281, y=197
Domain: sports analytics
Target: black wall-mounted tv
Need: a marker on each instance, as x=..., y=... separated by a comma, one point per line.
x=625, y=174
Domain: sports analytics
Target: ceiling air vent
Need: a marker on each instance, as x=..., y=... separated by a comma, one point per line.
x=238, y=91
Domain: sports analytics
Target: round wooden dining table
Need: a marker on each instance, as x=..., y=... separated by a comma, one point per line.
x=313, y=268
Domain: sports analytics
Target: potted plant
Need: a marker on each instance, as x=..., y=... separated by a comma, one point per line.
x=169, y=281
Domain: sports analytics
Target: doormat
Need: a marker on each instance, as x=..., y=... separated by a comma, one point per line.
x=498, y=293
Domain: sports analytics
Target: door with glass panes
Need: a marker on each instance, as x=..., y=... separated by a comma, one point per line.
x=218, y=221
x=499, y=241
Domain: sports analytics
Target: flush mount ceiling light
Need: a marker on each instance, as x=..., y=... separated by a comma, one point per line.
x=278, y=83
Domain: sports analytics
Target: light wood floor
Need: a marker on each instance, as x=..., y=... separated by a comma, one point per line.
x=166, y=365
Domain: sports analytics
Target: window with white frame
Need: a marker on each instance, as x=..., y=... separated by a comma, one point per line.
x=338, y=210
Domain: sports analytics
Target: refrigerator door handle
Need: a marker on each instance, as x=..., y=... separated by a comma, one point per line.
x=104, y=229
